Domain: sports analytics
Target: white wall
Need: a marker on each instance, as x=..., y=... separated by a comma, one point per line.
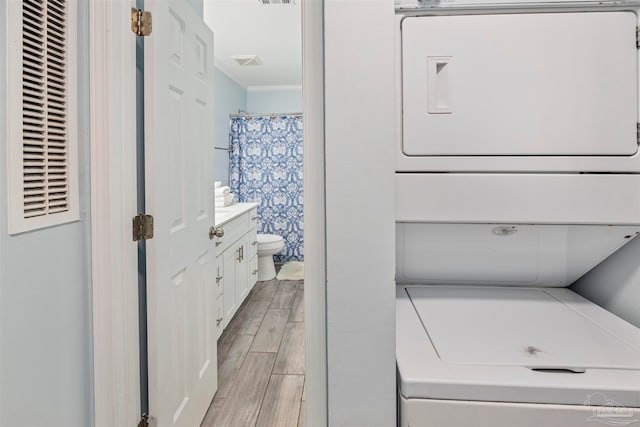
x=360, y=218
x=45, y=321
x=615, y=283
x=228, y=98
x=274, y=99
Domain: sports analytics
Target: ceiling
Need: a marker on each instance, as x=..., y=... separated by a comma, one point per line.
x=247, y=27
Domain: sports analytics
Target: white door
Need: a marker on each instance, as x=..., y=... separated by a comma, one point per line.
x=179, y=194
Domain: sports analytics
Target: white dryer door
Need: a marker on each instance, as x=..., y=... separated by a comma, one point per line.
x=545, y=84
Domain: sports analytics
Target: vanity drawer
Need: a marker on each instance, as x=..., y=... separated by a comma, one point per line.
x=233, y=230
x=253, y=218
x=219, y=272
x=253, y=243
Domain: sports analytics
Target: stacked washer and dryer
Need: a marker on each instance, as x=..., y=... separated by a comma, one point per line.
x=517, y=171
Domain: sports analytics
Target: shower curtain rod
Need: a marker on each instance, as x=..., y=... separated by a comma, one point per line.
x=264, y=114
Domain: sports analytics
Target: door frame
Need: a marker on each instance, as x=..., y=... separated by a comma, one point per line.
x=114, y=262
x=114, y=266
x=315, y=292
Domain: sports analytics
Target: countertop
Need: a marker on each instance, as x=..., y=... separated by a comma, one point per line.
x=226, y=214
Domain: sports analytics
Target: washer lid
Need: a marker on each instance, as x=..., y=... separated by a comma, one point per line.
x=520, y=345
x=269, y=238
x=517, y=327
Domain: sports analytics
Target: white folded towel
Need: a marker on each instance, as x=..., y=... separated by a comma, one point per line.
x=224, y=200
x=222, y=191
x=217, y=184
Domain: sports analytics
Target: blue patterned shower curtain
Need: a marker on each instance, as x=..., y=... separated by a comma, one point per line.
x=266, y=167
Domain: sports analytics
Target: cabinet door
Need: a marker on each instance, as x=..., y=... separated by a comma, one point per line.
x=242, y=270
x=253, y=272
x=253, y=243
x=230, y=301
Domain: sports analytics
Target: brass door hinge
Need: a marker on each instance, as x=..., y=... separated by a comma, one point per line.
x=141, y=23
x=142, y=227
x=144, y=421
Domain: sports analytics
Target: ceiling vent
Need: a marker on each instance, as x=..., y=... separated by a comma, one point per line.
x=265, y=2
x=247, y=60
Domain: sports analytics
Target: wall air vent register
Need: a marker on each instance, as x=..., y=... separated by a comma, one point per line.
x=41, y=123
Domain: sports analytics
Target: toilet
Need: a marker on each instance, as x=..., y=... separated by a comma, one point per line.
x=268, y=245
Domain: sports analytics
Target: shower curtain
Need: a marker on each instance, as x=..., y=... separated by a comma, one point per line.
x=266, y=167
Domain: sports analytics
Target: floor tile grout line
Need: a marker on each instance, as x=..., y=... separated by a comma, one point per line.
x=279, y=346
x=287, y=375
x=300, y=408
x=274, y=359
x=270, y=371
x=265, y=313
x=265, y=392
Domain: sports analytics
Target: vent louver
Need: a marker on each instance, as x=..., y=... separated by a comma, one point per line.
x=44, y=116
x=41, y=139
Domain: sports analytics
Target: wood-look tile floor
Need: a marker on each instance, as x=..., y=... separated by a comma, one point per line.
x=261, y=361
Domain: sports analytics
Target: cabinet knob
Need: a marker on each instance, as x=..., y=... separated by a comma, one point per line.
x=255, y=242
x=218, y=279
x=218, y=321
x=254, y=272
x=215, y=232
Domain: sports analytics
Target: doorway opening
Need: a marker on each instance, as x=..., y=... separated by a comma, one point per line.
x=258, y=152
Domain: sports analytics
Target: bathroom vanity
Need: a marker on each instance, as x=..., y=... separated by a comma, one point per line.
x=236, y=266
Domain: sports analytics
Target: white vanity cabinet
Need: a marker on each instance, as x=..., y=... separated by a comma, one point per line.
x=235, y=278
x=236, y=259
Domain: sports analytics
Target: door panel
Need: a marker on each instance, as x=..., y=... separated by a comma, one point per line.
x=178, y=174
x=546, y=84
